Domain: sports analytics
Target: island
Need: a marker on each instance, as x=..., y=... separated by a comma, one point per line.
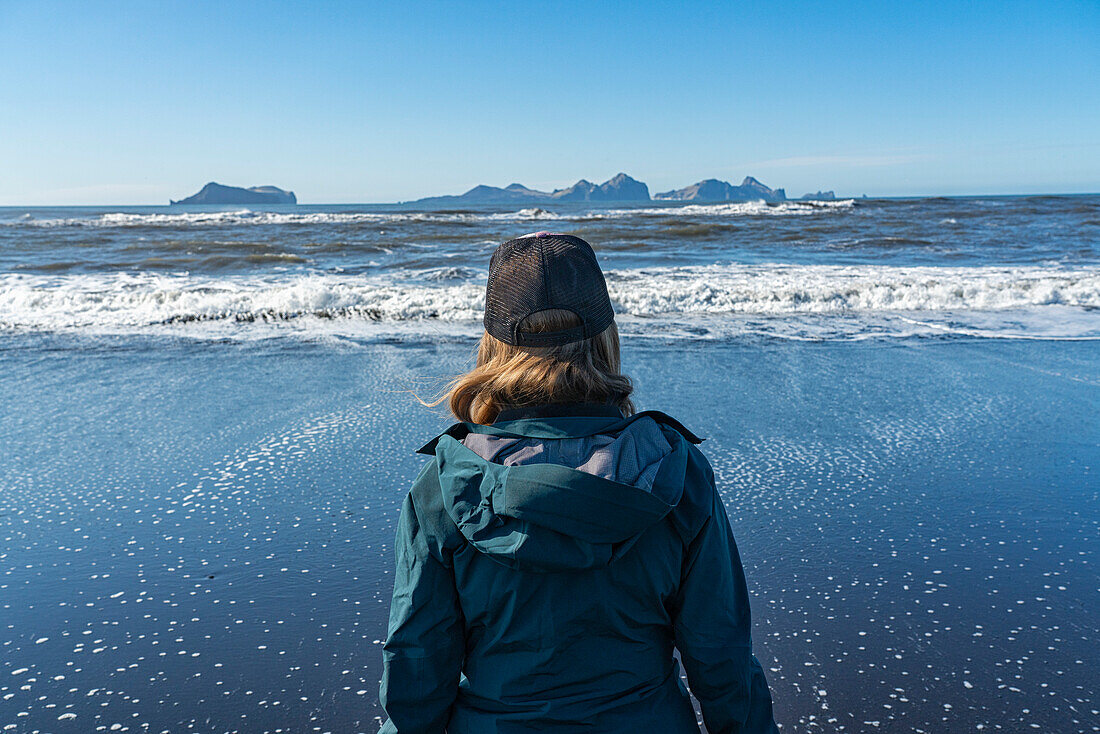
x=619, y=188
x=712, y=189
x=216, y=193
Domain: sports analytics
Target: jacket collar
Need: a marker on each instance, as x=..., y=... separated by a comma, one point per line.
x=573, y=420
x=561, y=410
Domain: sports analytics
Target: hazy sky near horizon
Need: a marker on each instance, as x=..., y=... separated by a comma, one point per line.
x=136, y=102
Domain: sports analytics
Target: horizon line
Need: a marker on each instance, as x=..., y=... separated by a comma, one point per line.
x=552, y=203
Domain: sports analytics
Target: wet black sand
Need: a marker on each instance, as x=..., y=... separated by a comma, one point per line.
x=196, y=537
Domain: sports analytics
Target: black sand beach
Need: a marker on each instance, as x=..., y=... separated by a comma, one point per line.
x=196, y=536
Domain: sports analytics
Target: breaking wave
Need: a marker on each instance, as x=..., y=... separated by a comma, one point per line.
x=783, y=289
x=247, y=217
x=135, y=302
x=734, y=209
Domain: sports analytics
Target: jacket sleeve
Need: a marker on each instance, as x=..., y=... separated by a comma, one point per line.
x=712, y=631
x=423, y=654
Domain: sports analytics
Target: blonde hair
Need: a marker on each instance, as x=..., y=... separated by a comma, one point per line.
x=508, y=376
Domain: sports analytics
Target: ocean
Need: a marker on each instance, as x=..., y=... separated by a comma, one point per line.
x=209, y=422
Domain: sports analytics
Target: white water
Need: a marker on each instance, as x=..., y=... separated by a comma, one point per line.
x=735, y=209
x=137, y=302
x=786, y=289
x=248, y=217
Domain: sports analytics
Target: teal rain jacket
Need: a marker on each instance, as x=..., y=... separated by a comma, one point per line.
x=532, y=595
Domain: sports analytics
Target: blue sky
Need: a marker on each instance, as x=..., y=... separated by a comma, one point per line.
x=129, y=103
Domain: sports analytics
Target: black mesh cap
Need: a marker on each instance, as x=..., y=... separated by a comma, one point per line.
x=543, y=271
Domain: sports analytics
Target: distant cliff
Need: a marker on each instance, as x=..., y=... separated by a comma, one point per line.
x=712, y=189
x=619, y=188
x=819, y=196
x=216, y=193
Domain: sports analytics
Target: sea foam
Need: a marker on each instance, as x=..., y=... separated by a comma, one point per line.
x=138, y=301
x=245, y=217
x=732, y=209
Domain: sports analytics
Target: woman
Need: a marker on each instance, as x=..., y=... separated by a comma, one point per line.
x=558, y=545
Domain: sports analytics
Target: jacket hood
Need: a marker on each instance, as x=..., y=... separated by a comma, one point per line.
x=560, y=492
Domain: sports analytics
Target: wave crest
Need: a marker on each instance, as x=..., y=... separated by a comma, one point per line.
x=733, y=209
x=247, y=217
x=133, y=302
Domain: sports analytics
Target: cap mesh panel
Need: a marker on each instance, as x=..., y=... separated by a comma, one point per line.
x=534, y=274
